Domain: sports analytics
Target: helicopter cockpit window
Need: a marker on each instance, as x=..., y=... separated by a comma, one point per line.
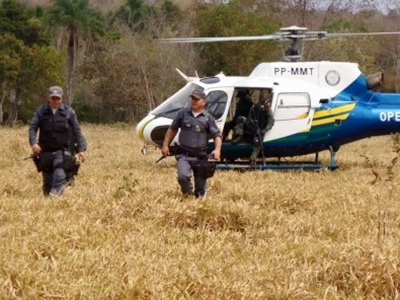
x=170, y=108
x=216, y=103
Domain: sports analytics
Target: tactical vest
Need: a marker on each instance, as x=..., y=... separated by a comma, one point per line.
x=194, y=132
x=55, y=130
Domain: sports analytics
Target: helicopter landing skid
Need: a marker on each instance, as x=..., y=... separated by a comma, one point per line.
x=306, y=165
x=280, y=165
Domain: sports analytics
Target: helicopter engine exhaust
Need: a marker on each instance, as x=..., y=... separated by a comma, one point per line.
x=374, y=80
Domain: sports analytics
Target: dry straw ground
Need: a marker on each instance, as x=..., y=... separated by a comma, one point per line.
x=124, y=232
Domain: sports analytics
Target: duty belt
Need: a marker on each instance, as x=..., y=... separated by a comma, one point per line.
x=200, y=154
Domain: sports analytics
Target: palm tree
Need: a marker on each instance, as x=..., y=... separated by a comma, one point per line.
x=133, y=13
x=80, y=24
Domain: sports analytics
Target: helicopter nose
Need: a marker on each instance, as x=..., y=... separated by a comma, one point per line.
x=152, y=130
x=141, y=126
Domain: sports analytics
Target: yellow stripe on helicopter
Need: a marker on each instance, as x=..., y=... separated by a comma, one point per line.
x=329, y=112
x=329, y=120
x=334, y=111
x=320, y=116
x=141, y=129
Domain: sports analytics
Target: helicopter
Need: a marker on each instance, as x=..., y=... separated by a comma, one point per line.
x=317, y=106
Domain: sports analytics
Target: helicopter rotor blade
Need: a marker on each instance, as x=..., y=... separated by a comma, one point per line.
x=221, y=39
x=350, y=34
x=285, y=35
x=292, y=34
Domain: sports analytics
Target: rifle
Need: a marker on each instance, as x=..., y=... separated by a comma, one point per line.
x=261, y=145
x=160, y=159
x=36, y=160
x=173, y=150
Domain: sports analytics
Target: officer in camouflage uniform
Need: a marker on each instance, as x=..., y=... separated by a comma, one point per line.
x=242, y=110
x=258, y=122
x=261, y=119
x=59, y=131
x=196, y=126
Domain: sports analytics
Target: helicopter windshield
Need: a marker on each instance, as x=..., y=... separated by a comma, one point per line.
x=216, y=102
x=170, y=108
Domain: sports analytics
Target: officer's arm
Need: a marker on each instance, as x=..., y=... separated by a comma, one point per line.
x=216, y=134
x=33, y=128
x=218, y=144
x=78, y=137
x=77, y=133
x=167, y=140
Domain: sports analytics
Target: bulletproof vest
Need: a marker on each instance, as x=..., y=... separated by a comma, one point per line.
x=194, y=132
x=55, y=130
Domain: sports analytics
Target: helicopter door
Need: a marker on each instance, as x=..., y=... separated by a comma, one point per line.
x=292, y=113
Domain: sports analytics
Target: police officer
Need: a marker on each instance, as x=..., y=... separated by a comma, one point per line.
x=59, y=131
x=196, y=126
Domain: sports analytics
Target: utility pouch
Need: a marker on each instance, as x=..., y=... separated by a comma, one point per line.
x=36, y=161
x=69, y=161
x=205, y=169
x=71, y=165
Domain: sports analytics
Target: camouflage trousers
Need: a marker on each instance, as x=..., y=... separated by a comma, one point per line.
x=238, y=130
x=238, y=133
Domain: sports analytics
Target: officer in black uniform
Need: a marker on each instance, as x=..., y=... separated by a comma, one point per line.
x=196, y=126
x=59, y=131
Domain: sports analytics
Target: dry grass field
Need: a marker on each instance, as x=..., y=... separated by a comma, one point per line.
x=124, y=231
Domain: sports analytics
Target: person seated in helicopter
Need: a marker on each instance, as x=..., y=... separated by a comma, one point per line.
x=243, y=106
x=259, y=120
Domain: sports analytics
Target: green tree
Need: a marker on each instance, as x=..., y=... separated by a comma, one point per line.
x=234, y=19
x=346, y=49
x=11, y=53
x=22, y=32
x=126, y=76
x=80, y=24
x=43, y=66
x=133, y=14
x=23, y=22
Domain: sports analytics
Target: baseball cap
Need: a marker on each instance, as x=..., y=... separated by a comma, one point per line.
x=55, y=91
x=198, y=94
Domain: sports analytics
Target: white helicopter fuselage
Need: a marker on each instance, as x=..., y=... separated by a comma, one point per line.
x=311, y=103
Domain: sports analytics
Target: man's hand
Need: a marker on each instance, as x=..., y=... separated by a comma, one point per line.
x=217, y=151
x=165, y=150
x=216, y=155
x=167, y=140
x=36, y=149
x=82, y=156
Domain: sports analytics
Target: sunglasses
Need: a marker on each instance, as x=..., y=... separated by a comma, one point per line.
x=55, y=98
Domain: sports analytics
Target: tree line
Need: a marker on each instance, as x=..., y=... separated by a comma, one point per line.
x=113, y=67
